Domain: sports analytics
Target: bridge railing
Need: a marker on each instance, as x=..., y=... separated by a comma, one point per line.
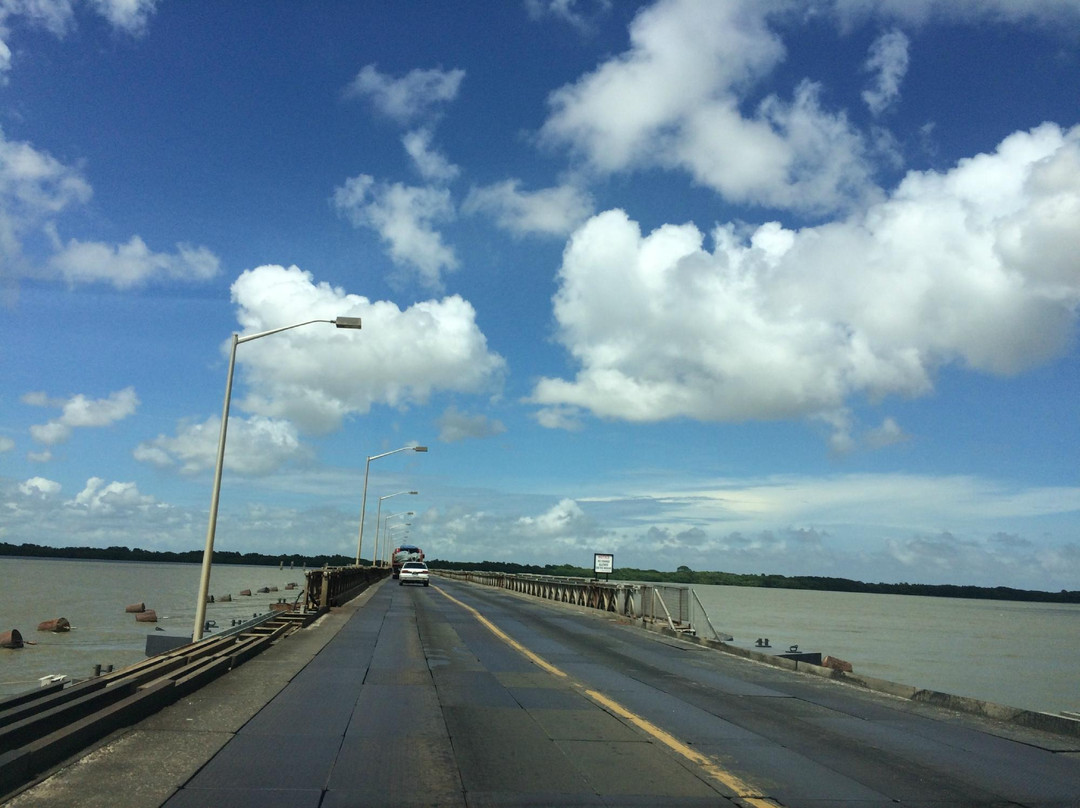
x=677, y=606
x=333, y=586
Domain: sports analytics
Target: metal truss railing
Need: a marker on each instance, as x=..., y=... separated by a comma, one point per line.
x=677, y=606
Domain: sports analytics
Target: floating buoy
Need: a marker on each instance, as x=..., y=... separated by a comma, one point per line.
x=272, y=589
x=135, y=607
x=11, y=639
x=57, y=625
x=245, y=592
x=224, y=598
x=209, y=598
x=263, y=590
x=148, y=616
x=290, y=586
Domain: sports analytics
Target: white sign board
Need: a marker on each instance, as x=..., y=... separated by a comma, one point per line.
x=603, y=562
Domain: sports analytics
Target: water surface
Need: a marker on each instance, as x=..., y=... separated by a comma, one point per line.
x=1015, y=653
x=92, y=596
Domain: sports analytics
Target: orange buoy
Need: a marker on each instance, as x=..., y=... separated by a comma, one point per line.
x=56, y=625
x=245, y=592
x=11, y=639
x=148, y=616
x=135, y=608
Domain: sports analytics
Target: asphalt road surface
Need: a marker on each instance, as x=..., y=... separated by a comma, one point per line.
x=462, y=695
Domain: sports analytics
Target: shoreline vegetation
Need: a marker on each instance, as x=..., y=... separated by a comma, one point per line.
x=683, y=575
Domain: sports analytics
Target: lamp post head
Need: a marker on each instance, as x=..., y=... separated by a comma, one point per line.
x=414, y=492
x=347, y=322
x=419, y=448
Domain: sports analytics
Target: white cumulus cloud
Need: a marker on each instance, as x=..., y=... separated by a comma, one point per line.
x=559, y=520
x=888, y=61
x=79, y=411
x=57, y=17
x=432, y=164
x=255, y=446
x=39, y=487
x=415, y=95
x=405, y=218
x=1043, y=12
x=127, y=15
x=34, y=188
x=110, y=498
x=690, y=69
x=130, y=265
x=975, y=266
x=316, y=376
x=579, y=14
x=549, y=211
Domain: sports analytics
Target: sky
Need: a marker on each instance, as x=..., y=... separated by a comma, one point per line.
x=763, y=286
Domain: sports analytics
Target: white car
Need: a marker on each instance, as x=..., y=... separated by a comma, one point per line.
x=415, y=572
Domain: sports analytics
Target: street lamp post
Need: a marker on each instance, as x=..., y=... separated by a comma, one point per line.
x=387, y=527
x=363, y=504
x=375, y=554
x=208, y=551
x=401, y=530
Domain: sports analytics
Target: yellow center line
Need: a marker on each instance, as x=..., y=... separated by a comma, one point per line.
x=752, y=796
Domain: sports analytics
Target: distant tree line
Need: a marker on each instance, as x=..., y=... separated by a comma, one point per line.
x=685, y=575
x=682, y=575
x=166, y=556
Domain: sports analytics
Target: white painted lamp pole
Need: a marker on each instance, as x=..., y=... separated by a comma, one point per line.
x=402, y=529
x=378, y=512
x=387, y=527
x=208, y=551
x=363, y=504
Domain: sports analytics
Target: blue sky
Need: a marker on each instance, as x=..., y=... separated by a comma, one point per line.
x=781, y=287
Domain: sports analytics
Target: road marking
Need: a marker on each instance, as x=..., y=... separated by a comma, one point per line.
x=743, y=790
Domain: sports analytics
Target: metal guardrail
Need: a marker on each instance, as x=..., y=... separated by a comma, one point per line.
x=678, y=606
x=39, y=728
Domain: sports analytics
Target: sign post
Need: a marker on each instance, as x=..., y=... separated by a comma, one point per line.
x=603, y=563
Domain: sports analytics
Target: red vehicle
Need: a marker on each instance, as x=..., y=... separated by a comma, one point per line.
x=405, y=552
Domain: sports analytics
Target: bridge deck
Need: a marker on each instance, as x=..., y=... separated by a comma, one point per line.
x=459, y=695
